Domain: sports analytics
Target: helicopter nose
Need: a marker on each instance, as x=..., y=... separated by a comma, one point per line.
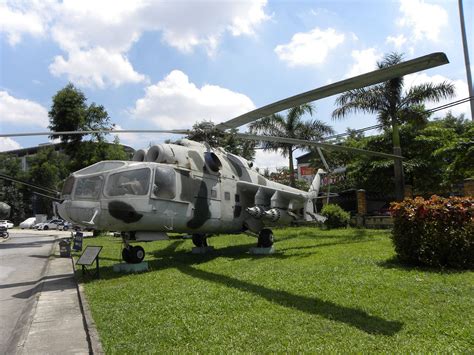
x=62, y=210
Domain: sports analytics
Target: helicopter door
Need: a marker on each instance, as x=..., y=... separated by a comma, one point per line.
x=214, y=188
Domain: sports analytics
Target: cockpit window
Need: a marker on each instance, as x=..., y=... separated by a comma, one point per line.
x=88, y=188
x=165, y=183
x=131, y=182
x=68, y=185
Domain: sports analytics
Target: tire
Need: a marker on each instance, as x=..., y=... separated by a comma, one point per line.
x=65, y=228
x=199, y=240
x=265, y=238
x=45, y=228
x=126, y=255
x=137, y=254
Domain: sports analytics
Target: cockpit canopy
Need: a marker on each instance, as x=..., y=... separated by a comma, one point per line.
x=132, y=182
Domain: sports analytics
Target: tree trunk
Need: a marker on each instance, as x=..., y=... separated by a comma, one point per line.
x=291, y=167
x=397, y=166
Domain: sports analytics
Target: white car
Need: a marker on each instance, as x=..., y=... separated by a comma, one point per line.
x=51, y=224
x=6, y=223
x=28, y=223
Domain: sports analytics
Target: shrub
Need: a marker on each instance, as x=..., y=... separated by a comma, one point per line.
x=435, y=232
x=336, y=216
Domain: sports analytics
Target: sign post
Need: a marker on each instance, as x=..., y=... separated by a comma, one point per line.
x=87, y=258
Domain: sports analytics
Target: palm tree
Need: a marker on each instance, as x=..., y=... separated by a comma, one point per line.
x=393, y=107
x=290, y=126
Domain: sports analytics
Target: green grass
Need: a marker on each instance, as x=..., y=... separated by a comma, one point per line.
x=337, y=290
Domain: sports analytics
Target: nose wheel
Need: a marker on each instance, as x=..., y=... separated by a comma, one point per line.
x=133, y=254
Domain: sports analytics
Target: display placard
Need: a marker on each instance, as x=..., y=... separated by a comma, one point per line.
x=89, y=255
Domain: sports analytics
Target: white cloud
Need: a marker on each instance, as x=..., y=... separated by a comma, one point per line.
x=8, y=144
x=23, y=112
x=96, y=67
x=364, y=61
x=98, y=34
x=424, y=20
x=396, y=41
x=270, y=160
x=309, y=48
x=17, y=22
x=460, y=87
x=175, y=102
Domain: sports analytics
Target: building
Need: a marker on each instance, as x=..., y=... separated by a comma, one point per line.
x=24, y=153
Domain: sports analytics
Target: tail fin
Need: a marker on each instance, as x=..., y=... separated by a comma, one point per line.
x=316, y=184
x=311, y=212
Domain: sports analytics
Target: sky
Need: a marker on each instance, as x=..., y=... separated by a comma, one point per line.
x=169, y=64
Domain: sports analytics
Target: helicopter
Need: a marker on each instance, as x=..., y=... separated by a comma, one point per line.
x=189, y=187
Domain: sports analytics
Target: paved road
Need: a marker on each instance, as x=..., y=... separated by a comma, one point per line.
x=23, y=261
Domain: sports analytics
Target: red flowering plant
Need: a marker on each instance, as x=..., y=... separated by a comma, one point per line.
x=437, y=232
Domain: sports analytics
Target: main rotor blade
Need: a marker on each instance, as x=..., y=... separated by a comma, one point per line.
x=377, y=76
x=316, y=144
x=26, y=134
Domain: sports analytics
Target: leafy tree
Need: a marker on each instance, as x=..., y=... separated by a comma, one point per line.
x=282, y=176
x=393, y=106
x=47, y=169
x=13, y=194
x=290, y=126
x=205, y=131
x=438, y=157
x=70, y=112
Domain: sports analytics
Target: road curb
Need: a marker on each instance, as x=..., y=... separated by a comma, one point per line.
x=95, y=345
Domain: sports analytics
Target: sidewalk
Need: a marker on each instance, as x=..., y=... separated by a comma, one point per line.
x=58, y=325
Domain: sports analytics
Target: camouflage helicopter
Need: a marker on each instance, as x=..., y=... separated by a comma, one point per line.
x=189, y=187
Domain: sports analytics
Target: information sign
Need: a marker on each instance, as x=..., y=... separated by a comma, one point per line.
x=89, y=255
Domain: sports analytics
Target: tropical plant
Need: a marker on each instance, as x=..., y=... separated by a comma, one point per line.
x=393, y=106
x=290, y=126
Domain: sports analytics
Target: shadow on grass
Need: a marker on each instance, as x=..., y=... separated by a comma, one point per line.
x=184, y=261
x=351, y=316
x=396, y=263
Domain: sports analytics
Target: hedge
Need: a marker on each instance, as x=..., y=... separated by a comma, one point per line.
x=438, y=232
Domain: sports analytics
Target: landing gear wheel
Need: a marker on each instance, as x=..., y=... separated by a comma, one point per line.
x=200, y=240
x=138, y=254
x=265, y=238
x=126, y=255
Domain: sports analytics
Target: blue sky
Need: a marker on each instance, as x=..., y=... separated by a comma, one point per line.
x=168, y=64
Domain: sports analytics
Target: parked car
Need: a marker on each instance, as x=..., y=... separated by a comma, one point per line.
x=64, y=226
x=6, y=223
x=28, y=223
x=51, y=224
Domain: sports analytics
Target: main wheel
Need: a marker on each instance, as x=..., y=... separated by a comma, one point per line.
x=126, y=255
x=137, y=254
x=200, y=240
x=265, y=238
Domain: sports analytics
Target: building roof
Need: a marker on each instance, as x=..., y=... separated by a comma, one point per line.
x=57, y=146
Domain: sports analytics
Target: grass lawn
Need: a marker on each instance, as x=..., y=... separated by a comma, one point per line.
x=337, y=290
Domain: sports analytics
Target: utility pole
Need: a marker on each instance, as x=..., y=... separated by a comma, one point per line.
x=466, y=57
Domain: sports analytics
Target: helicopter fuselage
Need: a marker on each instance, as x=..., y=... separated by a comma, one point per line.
x=185, y=189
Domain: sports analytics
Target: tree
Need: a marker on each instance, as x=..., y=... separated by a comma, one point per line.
x=438, y=157
x=205, y=131
x=393, y=107
x=48, y=170
x=70, y=112
x=290, y=126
